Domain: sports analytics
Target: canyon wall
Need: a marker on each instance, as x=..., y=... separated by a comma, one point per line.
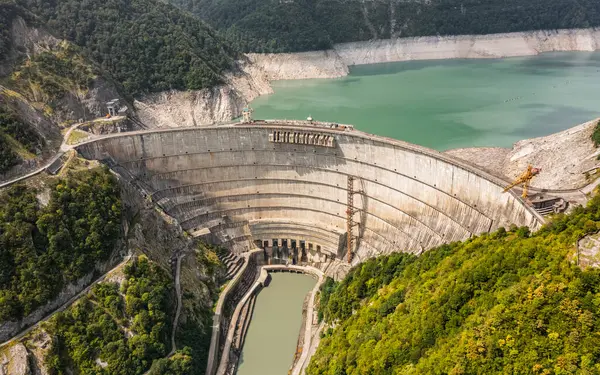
x=568, y=159
x=334, y=63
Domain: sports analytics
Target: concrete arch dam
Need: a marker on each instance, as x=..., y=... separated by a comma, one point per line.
x=286, y=185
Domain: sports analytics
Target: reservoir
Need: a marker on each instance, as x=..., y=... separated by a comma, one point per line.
x=273, y=333
x=447, y=104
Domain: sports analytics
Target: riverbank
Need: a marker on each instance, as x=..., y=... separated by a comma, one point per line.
x=253, y=75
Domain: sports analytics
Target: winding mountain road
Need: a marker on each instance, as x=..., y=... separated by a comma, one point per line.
x=64, y=147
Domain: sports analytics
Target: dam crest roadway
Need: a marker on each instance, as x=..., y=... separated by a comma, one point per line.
x=283, y=186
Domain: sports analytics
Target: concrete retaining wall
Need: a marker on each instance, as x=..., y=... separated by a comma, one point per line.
x=412, y=198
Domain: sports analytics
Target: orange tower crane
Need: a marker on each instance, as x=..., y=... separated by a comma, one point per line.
x=524, y=179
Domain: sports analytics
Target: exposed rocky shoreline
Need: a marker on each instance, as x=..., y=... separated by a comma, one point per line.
x=567, y=158
x=253, y=75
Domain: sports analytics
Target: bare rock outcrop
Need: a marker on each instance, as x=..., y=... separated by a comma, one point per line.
x=302, y=65
x=202, y=107
x=492, y=159
x=14, y=361
x=567, y=158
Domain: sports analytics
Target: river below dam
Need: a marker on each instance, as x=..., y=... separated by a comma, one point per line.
x=445, y=104
x=273, y=333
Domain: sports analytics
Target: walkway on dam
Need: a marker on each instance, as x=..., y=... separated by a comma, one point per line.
x=569, y=194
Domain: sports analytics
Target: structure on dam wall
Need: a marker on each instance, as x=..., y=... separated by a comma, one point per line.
x=284, y=186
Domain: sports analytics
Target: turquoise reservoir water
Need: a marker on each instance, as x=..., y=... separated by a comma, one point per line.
x=273, y=333
x=450, y=103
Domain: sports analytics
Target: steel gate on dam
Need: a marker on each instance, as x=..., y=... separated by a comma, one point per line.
x=277, y=182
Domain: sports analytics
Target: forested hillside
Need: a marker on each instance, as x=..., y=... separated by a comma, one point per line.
x=45, y=247
x=504, y=303
x=144, y=45
x=117, y=329
x=299, y=25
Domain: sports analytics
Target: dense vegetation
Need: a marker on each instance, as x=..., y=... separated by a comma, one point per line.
x=505, y=303
x=126, y=330
x=12, y=126
x=146, y=45
x=281, y=26
x=95, y=330
x=43, y=248
x=195, y=332
x=361, y=282
x=179, y=364
x=21, y=135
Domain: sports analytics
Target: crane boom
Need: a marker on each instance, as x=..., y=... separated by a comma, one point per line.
x=524, y=179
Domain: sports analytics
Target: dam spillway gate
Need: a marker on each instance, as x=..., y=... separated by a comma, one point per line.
x=241, y=185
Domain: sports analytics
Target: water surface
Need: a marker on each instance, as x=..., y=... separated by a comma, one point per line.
x=273, y=332
x=447, y=104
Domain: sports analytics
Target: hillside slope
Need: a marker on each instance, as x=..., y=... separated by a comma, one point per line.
x=507, y=302
x=46, y=84
x=145, y=45
x=302, y=25
x=57, y=237
x=120, y=327
x=61, y=61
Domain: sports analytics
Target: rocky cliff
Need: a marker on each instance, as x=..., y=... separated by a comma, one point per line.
x=301, y=65
x=202, y=107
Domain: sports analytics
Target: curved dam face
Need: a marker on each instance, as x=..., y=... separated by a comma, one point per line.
x=287, y=186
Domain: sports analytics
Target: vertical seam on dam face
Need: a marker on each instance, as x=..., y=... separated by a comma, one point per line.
x=411, y=198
